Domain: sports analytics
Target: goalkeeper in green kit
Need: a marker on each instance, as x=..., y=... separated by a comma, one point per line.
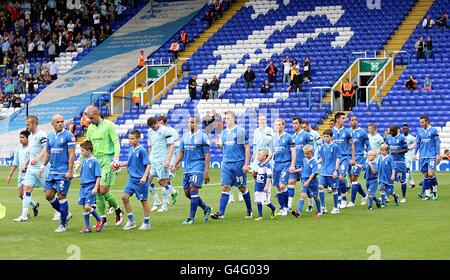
x=102, y=133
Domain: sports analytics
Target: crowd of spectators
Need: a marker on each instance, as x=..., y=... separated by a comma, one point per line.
x=33, y=33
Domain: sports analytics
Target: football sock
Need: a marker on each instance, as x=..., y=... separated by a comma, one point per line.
x=166, y=193
x=223, y=202
x=202, y=204
x=301, y=203
x=130, y=217
x=55, y=203
x=271, y=206
x=370, y=201
x=291, y=191
x=101, y=205
x=87, y=222
x=361, y=190
x=111, y=200
x=248, y=201
x=280, y=199
x=259, y=206
x=147, y=220
x=64, y=210
x=354, y=191
x=25, y=204
x=404, y=186
x=286, y=197
x=95, y=215
x=152, y=190
x=322, y=197
x=335, y=198
x=194, y=204
x=318, y=207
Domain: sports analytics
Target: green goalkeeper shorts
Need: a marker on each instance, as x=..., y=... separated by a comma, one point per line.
x=108, y=175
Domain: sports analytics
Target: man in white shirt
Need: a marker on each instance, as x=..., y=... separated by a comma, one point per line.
x=54, y=70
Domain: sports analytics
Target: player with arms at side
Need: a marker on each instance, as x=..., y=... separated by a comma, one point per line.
x=19, y=160
x=361, y=142
x=342, y=136
x=284, y=163
x=102, y=133
x=329, y=155
x=310, y=189
x=398, y=148
x=301, y=138
x=176, y=143
x=411, y=142
x=236, y=156
x=263, y=183
x=161, y=150
x=194, y=151
x=89, y=185
x=138, y=170
x=386, y=171
x=428, y=146
x=36, y=148
x=60, y=153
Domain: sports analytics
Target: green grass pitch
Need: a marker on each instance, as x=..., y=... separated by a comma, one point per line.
x=414, y=230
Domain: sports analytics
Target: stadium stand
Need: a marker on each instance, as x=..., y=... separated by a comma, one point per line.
x=27, y=29
x=405, y=106
x=269, y=30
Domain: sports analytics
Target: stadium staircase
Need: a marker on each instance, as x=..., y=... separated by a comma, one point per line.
x=401, y=35
x=208, y=33
x=405, y=106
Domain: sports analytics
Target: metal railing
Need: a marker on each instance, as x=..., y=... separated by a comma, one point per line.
x=121, y=97
x=322, y=90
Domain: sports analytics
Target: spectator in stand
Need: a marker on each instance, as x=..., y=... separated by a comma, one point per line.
x=193, y=87
x=428, y=47
x=287, y=65
x=7, y=102
x=265, y=87
x=218, y=9
x=307, y=69
x=210, y=16
x=249, y=77
x=47, y=77
x=45, y=67
x=215, y=84
x=411, y=83
x=357, y=99
x=119, y=10
x=71, y=47
x=184, y=39
x=9, y=88
x=205, y=89
x=21, y=84
x=442, y=20
x=271, y=71
x=141, y=60
x=427, y=84
x=297, y=81
x=446, y=155
x=16, y=101
x=40, y=47
x=51, y=49
x=347, y=94
x=428, y=22
x=420, y=46
x=53, y=70
x=174, y=49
